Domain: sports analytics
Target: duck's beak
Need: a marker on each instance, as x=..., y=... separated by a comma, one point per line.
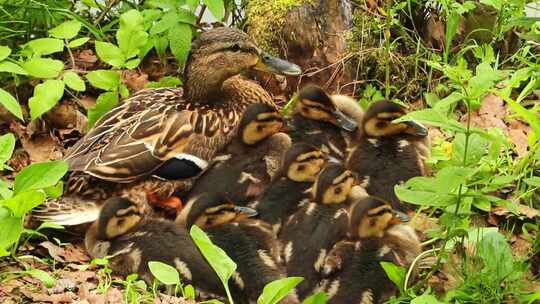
x=271, y=64
x=416, y=128
x=246, y=211
x=399, y=217
x=344, y=121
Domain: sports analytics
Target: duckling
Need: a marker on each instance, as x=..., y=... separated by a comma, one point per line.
x=312, y=231
x=353, y=265
x=324, y=121
x=251, y=160
x=159, y=139
x=290, y=188
x=385, y=154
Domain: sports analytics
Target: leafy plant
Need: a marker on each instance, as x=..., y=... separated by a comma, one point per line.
x=274, y=291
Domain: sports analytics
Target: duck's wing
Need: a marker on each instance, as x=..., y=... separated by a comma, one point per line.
x=151, y=129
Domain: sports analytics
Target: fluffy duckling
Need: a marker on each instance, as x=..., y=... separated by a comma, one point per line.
x=353, y=266
x=385, y=154
x=290, y=188
x=250, y=162
x=312, y=231
x=324, y=121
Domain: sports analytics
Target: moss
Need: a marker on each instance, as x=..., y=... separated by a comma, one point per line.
x=265, y=19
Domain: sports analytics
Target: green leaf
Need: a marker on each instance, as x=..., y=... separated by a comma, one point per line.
x=10, y=231
x=55, y=191
x=104, y=103
x=131, y=35
x=318, y=298
x=216, y=257
x=7, y=145
x=73, y=81
x=133, y=63
x=46, y=96
x=426, y=299
x=49, y=225
x=530, y=116
x=40, y=175
x=532, y=181
x=424, y=197
x=104, y=79
x=43, y=276
x=43, y=67
x=46, y=46
x=180, y=41
x=168, y=20
x=274, y=291
x=395, y=273
x=497, y=255
x=5, y=190
x=495, y=3
x=110, y=54
x=78, y=42
x=4, y=52
x=10, y=67
x=189, y=292
x=164, y=273
x=66, y=30
x=433, y=117
x=10, y=103
x=165, y=82
x=216, y=7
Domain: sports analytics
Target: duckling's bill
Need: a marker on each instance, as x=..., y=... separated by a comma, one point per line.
x=271, y=64
x=416, y=128
x=344, y=121
x=246, y=211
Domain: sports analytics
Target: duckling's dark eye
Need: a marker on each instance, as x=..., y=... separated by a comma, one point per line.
x=121, y=221
x=337, y=190
x=381, y=124
x=301, y=168
x=235, y=48
x=259, y=128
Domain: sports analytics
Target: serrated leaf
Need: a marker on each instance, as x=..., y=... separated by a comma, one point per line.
x=10, y=103
x=66, y=30
x=104, y=79
x=131, y=36
x=46, y=96
x=164, y=273
x=104, y=103
x=274, y=291
x=46, y=46
x=4, y=52
x=40, y=175
x=10, y=67
x=180, y=41
x=78, y=42
x=216, y=7
x=43, y=276
x=73, y=81
x=43, y=67
x=7, y=145
x=110, y=54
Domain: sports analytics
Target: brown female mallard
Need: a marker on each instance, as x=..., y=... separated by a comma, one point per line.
x=164, y=136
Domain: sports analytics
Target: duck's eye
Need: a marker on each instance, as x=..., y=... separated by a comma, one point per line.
x=235, y=48
x=381, y=124
x=301, y=168
x=260, y=128
x=121, y=221
x=337, y=190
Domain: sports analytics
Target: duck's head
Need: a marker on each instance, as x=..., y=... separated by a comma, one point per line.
x=377, y=121
x=333, y=185
x=221, y=53
x=117, y=217
x=373, y=217
x=223, y=214
x=259, y=122
x=314, y=103
x=303, y=162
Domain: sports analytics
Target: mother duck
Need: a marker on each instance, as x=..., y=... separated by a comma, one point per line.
x=173, y=133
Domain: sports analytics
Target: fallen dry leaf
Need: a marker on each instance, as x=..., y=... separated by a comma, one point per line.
x=134, y=80
x=518, y=134
x=66, y=297
x=65, y=254
x=520, y=245
x=522, y=210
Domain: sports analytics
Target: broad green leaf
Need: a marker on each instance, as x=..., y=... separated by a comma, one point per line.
x=123, y=90
x=73, y=81
x=186, y=16
x=104, y=79
x=165, y=82
x=189, y=292
x=46, y=46
x=110, y=54
x=216, y=257
x=4, y=52
x=497, y=255
x=78, y=42
x=495, y=3
x=216, y=7
x=192, y=4
x=395, y=273
x=133, y=63
x=449, y=178
x=433, y=117
x=318, y=298
x=166, y=5
x=131, y=35
x=49, y=225
x=180, y=41
x=66, y=30
x=10, y=231
x=164, y=273
x=274, y=291
x=104, y=103
x=10, y=67
x=10, y=103
x=43, y=67
x=43, y=276
x=5, y=190
x=426, y=299
x=168, y=20
x=7, y=144
x=532, y=181
x=46, y=96
x=55, y=191
x=451, y=31
x=424, y=197
x=40, y=175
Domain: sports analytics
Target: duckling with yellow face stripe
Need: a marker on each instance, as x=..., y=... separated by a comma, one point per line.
x=353, y=270
x=385, y=153
x=324, y=121
x=312, y=231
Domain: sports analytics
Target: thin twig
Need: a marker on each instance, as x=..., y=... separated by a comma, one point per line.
x=105, y=11
x=201, y=14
